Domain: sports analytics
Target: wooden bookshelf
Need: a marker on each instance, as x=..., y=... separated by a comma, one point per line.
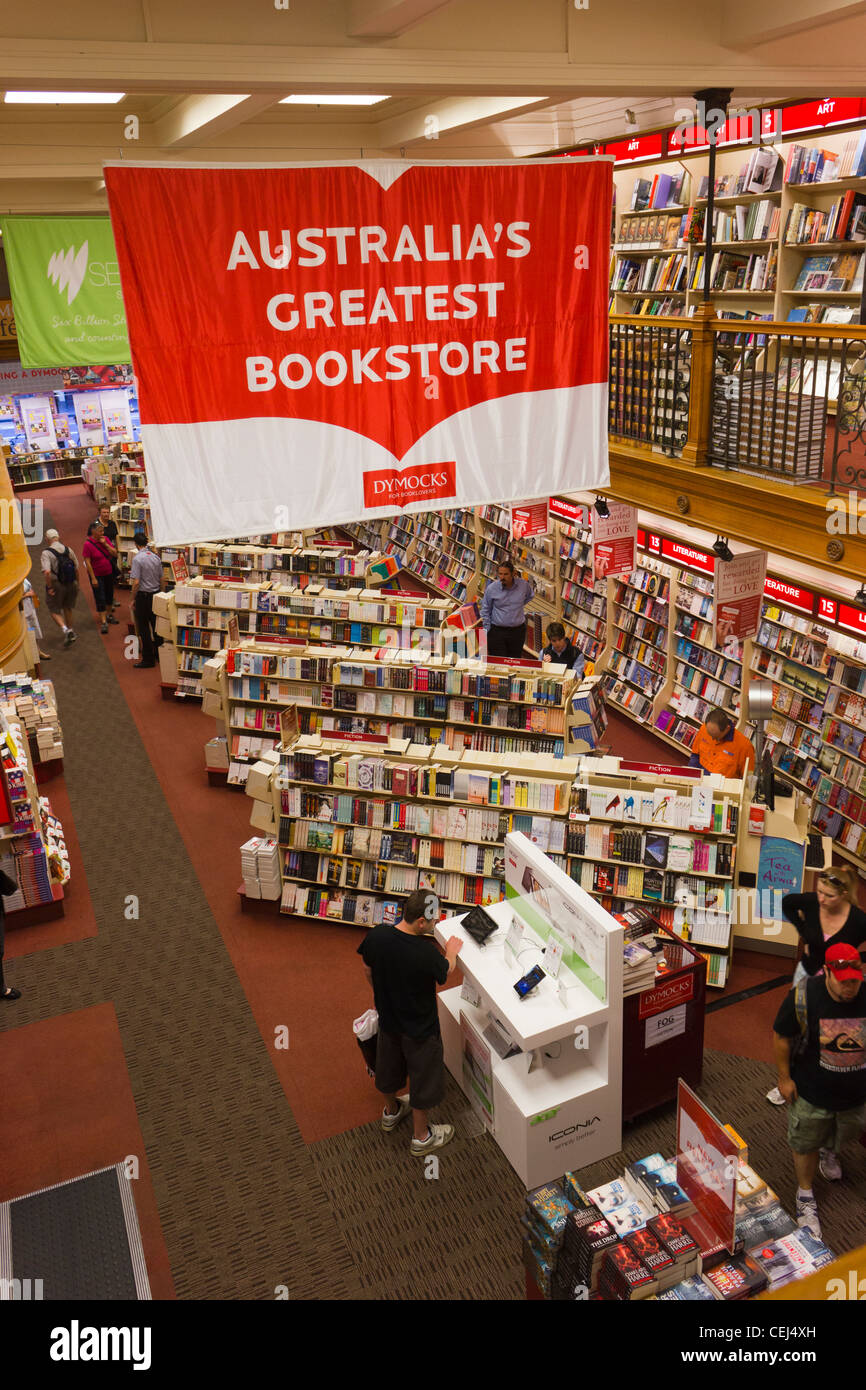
x=663, y=841
x=360, y=826
x=772, y=298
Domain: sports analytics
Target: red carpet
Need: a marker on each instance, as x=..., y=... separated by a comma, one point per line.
x=68, y=1110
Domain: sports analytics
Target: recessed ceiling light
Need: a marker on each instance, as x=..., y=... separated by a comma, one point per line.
x=358, y=100
x=64, y=98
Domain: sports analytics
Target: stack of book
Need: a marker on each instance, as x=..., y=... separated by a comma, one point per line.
x=260, y=866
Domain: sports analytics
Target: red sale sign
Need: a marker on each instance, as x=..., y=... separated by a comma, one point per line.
x=317, y=344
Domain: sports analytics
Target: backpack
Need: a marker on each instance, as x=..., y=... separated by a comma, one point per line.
x=66, y=570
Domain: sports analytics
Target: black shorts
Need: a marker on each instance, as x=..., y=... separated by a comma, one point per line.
x=399, y=1057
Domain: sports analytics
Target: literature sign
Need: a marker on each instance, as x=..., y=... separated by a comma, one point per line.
x=738, y=588
x=572, y=512
x=234, y=632
x=791, y=595
x=529, y=519
x=290, y=726
x=447, y=396
x=180, y=570
x=852, y=619
x=780, y=871
x=614, y=538
x=687, y=555
x=707, y=1164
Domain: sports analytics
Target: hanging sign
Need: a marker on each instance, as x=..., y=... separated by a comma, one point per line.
x=66, y=290
x=38, y=421
x=529, y=519
x=436, y=332
x=738, y=588
x=614, y=538
x=88, y=413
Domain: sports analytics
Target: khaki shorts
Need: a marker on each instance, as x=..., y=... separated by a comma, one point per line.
x=810, y=1128
x=64, y=596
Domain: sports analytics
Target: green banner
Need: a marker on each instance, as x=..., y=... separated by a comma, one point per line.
x=66, y=294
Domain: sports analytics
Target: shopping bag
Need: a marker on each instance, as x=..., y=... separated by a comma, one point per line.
x=366, y=1030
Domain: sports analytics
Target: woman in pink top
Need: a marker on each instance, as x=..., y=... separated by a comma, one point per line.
x=98, y=555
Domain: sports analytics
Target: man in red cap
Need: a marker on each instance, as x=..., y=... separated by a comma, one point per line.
x=819, y=1041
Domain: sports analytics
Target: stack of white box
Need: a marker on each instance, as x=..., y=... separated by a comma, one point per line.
x=268, y=867
x=248, y=867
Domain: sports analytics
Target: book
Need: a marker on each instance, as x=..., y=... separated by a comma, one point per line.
x=735, y=1278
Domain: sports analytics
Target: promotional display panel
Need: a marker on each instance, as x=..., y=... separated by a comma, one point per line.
x=707, y=1165
x=529, y=519
x=38, y=423
x=88, y=413
x=614, y=540
x=739, y=589
x=423, y=335
x=66, y=290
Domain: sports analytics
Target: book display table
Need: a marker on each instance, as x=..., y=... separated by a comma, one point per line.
x=544, y=1072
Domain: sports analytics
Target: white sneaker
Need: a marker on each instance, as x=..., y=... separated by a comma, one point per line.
x=389, y=1122
x=775, y=1096
x=439, y=1136
x=807, y=1216
x=829, y=1166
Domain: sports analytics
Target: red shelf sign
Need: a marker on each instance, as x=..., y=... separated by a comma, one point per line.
x=852, y=619
x=638, y=148
x=818, y=115
x=571, y=512
x=688, y=556
x=791, y=595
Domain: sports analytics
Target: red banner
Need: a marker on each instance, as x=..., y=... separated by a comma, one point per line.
x=371, y=319
x=791, y=595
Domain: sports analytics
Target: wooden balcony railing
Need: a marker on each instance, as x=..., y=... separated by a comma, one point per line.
x=776, y=400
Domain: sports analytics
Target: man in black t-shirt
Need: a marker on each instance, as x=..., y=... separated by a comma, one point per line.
x=404, y=966
x=824, y=1084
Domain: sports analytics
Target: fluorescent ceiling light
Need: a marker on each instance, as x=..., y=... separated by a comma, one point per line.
x=64, y=98
x=359, y=100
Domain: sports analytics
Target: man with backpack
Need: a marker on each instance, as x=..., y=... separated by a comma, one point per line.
x=819, y=1041
x=60, y=568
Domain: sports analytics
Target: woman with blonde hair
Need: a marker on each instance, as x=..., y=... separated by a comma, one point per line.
x=828, y=917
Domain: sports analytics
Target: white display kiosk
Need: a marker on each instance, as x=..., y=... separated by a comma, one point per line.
x=555, y=1105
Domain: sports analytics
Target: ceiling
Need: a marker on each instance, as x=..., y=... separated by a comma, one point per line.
x=479, y=79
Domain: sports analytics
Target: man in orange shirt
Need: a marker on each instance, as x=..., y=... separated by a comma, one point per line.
x=719, y=747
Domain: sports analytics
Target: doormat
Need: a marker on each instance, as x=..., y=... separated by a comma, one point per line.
x=76, y=1240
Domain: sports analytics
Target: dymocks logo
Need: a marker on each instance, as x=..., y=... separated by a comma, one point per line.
x=384, y=486
x=67, y=269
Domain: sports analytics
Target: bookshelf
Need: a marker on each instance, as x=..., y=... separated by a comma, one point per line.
x=33, y=470
x=665, y=840
x=391, y=694
x=763, y=238
x=31, y=848
x=839, y=808
x=634, y=659
x=360, y=826
x=583, y=601
x=292, y=565
x=703, y=678
x=197, y=615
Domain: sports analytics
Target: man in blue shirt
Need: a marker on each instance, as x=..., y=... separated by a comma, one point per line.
x=502, y=612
